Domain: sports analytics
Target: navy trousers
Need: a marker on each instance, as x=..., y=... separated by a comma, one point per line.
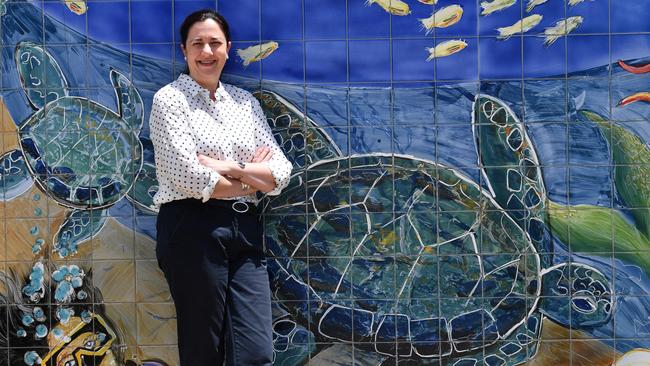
x=213, y=259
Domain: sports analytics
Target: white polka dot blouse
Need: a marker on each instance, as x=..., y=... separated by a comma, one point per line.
x=184, y=122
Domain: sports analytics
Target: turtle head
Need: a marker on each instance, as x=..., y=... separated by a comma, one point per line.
x=129, y=101
x=302, y=141
x=576, y=295
x=40, y=74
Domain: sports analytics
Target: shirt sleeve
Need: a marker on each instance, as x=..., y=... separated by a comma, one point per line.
x=279, y=165
x=175, y=150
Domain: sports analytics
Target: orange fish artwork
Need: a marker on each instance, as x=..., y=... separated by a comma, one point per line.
x=76, y=6
x=634, y=69
x=637, y=97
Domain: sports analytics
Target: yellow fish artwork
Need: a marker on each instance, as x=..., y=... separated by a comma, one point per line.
x=635, y=357
x=395, y=7
x=443, y=18
x=76, y=6
x=429, y=2
x=575, y=2
x=496, y=5
x=561, y=28
x=533, y=3
x=257, y=52
x=521, y=26
x=446, y=48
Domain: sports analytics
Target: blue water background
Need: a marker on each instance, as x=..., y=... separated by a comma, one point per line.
x=421, y=120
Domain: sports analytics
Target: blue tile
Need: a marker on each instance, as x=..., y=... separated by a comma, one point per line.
x=370, y=106
x=286, y=13
x=541, y=60
x=324, y=19
x=595, y=15
x=499, y=59
x=73, y=60
x=59, y=12
x=544, y=101
x=454, y=102
x=285, y=63
x=455, y=146
x=369, y=60
x=105, y=28
x=328, y=104
x=630, y=46
x=326, y=61
x=550, y=143
x=367, y=21
x=183, y=8
x=588, y=93
x=410, y=26
x=459, y=66
x=97, y=71
x=162, y=51
x=243, y=16
x=580, y=55
x=156, y=26
x=413, y=104
x=588, y=185
x=410, y=60
x=419, y=141
x=339, y=135
x=629, y=16
x=366, y=140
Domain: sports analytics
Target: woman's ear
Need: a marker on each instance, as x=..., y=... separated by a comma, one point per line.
x=183, y=49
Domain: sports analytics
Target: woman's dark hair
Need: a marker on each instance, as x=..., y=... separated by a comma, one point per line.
x=201, y=16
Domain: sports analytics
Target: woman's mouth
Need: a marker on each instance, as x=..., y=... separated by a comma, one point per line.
x=207, y=62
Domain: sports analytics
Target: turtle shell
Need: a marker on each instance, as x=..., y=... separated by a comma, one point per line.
x=80, y=152
x=402, y=250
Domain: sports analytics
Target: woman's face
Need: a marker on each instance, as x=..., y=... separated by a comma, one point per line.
x=206, y=50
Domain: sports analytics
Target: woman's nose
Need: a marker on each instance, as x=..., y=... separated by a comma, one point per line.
x=207, y=48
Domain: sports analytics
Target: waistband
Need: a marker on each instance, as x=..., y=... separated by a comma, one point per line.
x=236, y=206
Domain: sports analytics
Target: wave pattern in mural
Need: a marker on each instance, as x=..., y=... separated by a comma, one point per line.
x=466, y=190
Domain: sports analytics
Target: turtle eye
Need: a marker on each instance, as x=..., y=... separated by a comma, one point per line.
x=90, y=344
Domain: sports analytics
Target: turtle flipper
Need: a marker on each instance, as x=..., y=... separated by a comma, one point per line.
x=129, y=101
x=40, y=74
x=145, y=185
x=515, y=349
x=79, y=226
x=588, y=292
x=14, y=175
x=301, y=140
x=511, y=168
x=631, y=158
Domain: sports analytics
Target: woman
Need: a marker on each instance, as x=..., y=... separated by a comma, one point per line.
x=214, y=151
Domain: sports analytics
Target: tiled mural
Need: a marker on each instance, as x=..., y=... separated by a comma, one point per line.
x=471, y=179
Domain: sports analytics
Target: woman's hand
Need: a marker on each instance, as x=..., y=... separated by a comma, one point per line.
x=262, y=154
x=228, y=167
x=223, y=167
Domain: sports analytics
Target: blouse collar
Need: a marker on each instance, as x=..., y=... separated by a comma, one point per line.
x=191, y=88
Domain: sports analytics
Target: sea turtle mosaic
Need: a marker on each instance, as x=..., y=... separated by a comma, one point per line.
x=412, y=259
x=78, y=151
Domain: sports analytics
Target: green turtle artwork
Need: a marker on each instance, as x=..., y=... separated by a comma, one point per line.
x=412, y=259
x=79, y=152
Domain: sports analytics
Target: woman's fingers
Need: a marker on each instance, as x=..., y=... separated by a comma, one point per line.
x=262, y=154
